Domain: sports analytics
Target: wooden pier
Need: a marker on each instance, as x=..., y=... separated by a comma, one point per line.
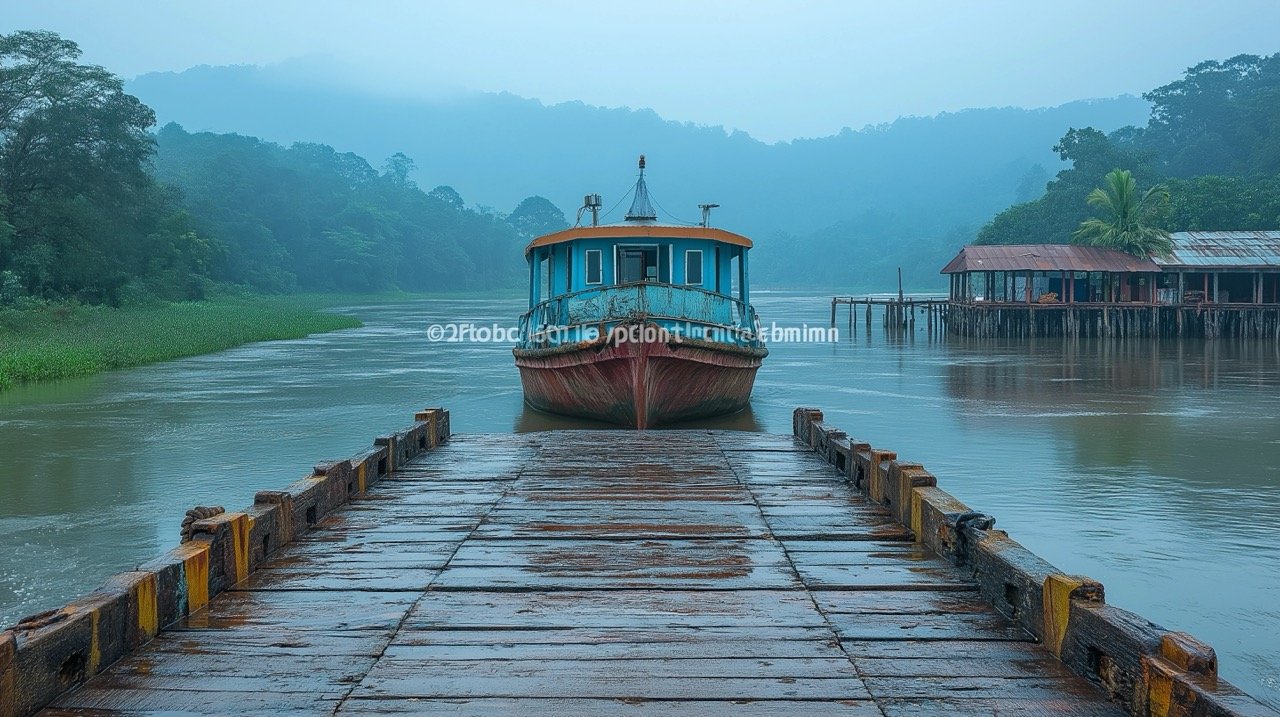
x=897, y=313
x=605, y=572
x=986, y=319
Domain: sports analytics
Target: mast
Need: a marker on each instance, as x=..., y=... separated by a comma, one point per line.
x=641, y=209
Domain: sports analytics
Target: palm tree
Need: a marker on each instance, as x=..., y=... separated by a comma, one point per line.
x=1125, y=212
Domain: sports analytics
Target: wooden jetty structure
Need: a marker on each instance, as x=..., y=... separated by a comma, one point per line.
x=1214, y=284
x=897, y=312
x=605, y=572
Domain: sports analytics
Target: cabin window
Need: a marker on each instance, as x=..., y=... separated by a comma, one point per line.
x=636, y=264
x=693, y=266
x=595, y=269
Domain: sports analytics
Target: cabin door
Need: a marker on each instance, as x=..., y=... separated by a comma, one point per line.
x=637, y=264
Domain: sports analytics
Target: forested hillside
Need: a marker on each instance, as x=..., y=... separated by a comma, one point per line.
x=496, y=149
x=308, y=217
x=1213, y=139
x=94, y=207
x=876, y=198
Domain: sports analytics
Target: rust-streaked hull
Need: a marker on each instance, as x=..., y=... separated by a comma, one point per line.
x=641, y=385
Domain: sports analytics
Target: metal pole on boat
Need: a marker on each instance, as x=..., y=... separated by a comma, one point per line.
x=706, y=213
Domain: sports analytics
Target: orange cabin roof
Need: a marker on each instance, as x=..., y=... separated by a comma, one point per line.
x=650, y=231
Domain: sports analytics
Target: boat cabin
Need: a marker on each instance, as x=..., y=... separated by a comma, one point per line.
x=585, y=258
x=638, y=251
x=678, y=277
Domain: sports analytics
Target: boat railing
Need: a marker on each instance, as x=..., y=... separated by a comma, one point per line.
x=562, y=319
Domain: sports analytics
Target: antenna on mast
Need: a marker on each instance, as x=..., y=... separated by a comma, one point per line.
x=641, y=209
x=706, y=213
x=592, y=202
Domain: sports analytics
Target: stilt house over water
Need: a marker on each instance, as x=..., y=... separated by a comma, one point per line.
x=1220, y=267
x=1219, y=283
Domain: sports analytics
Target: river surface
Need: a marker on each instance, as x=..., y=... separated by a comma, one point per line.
x=1151, y=466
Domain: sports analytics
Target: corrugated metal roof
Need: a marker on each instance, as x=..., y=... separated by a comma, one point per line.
x=1227, y=250
x=1044, y=257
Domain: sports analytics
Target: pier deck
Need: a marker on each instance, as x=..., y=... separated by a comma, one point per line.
x=645, y=573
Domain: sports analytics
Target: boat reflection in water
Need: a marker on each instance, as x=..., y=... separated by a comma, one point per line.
x=639, y=323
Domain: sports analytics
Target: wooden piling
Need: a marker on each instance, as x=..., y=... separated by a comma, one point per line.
x=1112, y=320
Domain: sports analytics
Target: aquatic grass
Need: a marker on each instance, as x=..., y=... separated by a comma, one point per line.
x=60, y=341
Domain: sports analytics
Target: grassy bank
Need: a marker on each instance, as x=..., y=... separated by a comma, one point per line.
x=60, y=341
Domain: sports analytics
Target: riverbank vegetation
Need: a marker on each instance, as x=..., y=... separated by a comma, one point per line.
x=1212, y=142
x=43, y=341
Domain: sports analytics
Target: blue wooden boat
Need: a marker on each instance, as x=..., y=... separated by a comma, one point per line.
x=639, y=323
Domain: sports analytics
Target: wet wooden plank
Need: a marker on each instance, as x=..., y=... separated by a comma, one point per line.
x=248, y=644
x=302, y=609
x=987, y=687
x=94, y=701
x=388, y=681
x=656, y=526
x=507, y=647
x=691, y=551
x=712, y=577
x=905, y=554
x=247, y=680
x=417, y=665
x=901, y=602
x=801, y=547
x=623, y=609
x=588, y=572
x=1040, y=665
x=337, y=577
x=940, y=650
x=929, y=626
x=558, y=707
x=591, y=639
x=884, y=575
x=1046, y=706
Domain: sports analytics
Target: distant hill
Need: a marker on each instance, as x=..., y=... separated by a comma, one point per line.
x=885, y=188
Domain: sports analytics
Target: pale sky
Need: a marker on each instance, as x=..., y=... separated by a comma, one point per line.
x=776, y=70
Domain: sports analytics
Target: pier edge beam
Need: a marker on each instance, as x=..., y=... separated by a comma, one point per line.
x=1147, y=669
x=49, y=653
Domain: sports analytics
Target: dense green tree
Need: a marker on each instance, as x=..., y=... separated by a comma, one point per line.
x=535, y=216
x=448, y=195
x=1221, y=117
x=1214, y=202
x=1127, y=217
x=83, y=218
x=398, y=168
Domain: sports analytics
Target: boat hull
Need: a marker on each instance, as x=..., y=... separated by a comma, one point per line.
x=639, y=384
